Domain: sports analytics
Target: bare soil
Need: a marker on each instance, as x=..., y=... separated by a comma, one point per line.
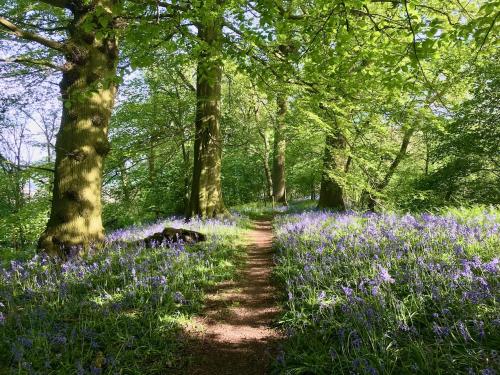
x=234, y=335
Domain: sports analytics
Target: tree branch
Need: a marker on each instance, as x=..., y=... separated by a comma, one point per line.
x=414, y=44
x=186, y=81
x=58, y=3
x=31, y=62
x=13, y=29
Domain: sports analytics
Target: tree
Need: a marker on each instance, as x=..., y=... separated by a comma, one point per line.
x=87, y=88
x=467, y=149
x=206, y=192
x=279, y=152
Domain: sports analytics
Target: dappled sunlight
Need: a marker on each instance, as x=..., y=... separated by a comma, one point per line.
x=235, y=332
x=122, y=301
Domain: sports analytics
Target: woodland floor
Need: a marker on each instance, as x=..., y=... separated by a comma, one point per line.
x=234, y=334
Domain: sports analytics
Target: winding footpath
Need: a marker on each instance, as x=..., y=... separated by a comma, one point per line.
x=234, y=334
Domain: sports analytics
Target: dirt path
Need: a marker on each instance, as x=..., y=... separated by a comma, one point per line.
x=234, y=336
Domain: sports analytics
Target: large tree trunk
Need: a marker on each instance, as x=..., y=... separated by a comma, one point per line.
x=278, y=173
x=88, y=92
x=206, y=192
x=331, y=193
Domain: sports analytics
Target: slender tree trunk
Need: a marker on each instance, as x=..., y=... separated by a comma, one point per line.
x=348, y=163
x=206, y=191
x=88, y=92
x=151, y=158
x=427, y=157
x=267, y=169
x=125, y=186
x=331, y=193
x=368, y=197
x=278, y=173
x=313, y=189
x=187, y=176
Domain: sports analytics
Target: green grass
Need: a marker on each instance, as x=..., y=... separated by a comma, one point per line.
x=120, y=311
x=390, y=293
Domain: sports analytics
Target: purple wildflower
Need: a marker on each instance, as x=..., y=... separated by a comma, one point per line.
x=463, y=330
x=348, y=291
x=384, y=276
x=492, y=267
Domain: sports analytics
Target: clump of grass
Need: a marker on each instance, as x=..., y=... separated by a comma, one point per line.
x=118, y=311
x=389, y=293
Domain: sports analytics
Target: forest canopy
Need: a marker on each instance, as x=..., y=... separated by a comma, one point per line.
x=249, y=187
x=120, y=112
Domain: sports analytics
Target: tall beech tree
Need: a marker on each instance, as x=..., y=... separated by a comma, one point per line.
x=206, y=192
x=88, y=91
x=88, y=88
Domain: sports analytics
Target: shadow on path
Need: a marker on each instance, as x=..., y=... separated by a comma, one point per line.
x=234, y=335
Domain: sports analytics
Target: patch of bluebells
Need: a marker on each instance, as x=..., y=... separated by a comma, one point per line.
x=114, y=308
x=390, y=293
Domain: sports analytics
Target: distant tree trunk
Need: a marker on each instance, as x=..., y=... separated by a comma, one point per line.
x=348, y=163
x=206, y=192
x=19, y=201
x=313, y=189
x=187, y=175
x=88, y=92
x=331, y=193
x=267, y=170
x=427, y=157
x=151, y=158
x=125, y=187
x=367, y=197
x=278, y=172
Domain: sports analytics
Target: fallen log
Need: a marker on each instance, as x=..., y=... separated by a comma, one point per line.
x=174, y=235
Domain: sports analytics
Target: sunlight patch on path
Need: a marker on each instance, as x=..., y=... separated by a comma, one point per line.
x=234, y=334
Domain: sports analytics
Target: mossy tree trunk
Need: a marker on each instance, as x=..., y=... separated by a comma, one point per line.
x=206, y=192
x=279, y=150
x=331, y=192
x=88, y=91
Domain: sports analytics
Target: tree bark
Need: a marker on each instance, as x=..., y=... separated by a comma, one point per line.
x=278, y=172
x=206, y=192
x=331, y=193
x=88, y=91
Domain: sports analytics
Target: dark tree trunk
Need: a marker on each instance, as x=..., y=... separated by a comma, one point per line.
x=313, y=190
x=278, y=172
x=206, y=192
x=331, y=193
x=88, y=92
